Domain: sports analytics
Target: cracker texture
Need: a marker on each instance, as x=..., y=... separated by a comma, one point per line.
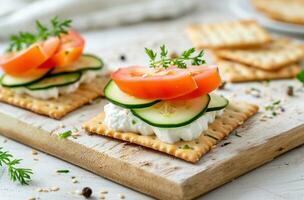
x=56, y=108
x=273, y=56
x=236, y=72
x=232, y=34
x=291, y=11
x=234, y=115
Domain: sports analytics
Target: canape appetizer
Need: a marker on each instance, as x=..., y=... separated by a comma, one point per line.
x=49, y=67
x=170, y=106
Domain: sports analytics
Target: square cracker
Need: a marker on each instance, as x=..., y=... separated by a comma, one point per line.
x=273, y=56
x=56, y=108
x=235, y=114
x=236, y=72
x=291, y=11
x=234, y=34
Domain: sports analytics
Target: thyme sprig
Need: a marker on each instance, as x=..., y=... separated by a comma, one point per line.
x=23, y=175
x=23, y=40
x=180, y=61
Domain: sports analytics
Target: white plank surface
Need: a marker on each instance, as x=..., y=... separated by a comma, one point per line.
x=130, y=40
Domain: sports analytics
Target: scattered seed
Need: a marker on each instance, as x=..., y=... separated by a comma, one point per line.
x=121, y=196
x=5, y=141
x=76, y=133
x=103, y=192
x=54, y=189
x=86, y=192
x=74, y=181
x=31, y=198
x=290, y=91
x=78, y=192
x=34, y=152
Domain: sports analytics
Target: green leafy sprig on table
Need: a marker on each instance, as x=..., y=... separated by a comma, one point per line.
x=23, y=175
x=300, y=76
x=180, y=61
x=25, y=39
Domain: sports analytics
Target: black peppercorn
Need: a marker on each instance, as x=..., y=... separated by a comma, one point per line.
x=86, y=192
x=122, y=57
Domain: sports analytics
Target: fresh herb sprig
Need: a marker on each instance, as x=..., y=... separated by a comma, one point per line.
x=23, y=175
x=65, y=134
x=180, y=61
x=25, y=39
x=300, y=76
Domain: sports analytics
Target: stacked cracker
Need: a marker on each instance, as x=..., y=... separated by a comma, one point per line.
x=245, y=51
x=290, y=11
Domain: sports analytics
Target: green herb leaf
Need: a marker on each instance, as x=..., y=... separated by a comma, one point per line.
x=63, y=171
x=300, y=76
x=179, y=61
x=185, y=147
x=65, y=134
x=23, y=175
x=23, y=40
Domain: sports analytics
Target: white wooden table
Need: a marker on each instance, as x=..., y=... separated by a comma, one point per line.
x=281, y=179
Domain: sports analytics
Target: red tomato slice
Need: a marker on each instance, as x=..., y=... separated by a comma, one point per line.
x=207, y=79
x=71, y=47
x=149, y=83
x=18, y=63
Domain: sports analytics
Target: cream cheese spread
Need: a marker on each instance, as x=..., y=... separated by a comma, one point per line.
x=120, y=119
x=54, y=92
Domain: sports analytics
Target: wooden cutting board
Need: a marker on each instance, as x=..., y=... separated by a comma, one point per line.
x=164, y=177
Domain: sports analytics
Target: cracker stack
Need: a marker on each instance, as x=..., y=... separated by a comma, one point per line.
x=245, y=51
x=290, y=11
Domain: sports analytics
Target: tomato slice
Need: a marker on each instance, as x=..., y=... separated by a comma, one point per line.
x=149, y=83
x=18, y=63
x=207, y=79
x=71, y=48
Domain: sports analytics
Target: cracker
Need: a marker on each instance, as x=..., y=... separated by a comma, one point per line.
x=235, y=114
x=273, y=56
x=56, y=108
x=235, y=34
x=291, y=11
x=236, y=72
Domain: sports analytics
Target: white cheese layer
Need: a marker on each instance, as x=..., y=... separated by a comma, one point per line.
x=54, y=92
x=120, y=119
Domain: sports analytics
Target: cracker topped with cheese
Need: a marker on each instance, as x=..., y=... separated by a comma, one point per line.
x=169, y=107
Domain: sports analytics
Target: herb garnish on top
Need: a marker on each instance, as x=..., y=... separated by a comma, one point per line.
x=180, y=61
x=23, y=40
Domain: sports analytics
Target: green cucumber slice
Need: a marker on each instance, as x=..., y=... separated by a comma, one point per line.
x=85, y=62
x=118, y=97
x=57, y=80
x=217, y=103
x=11, y=81
x=171, y=114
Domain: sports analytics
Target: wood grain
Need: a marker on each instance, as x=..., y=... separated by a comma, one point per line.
x=152, y=173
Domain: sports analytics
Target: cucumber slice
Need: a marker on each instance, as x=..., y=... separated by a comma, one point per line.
x=11, y=81
x=57, y=80
x=118, y=97
x=85, y=62
x=171, y=114
x=217, y=103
